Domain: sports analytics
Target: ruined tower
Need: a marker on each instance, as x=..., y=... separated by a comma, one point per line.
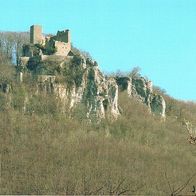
x=63, y=36
x=63, y=42
x=35, y=34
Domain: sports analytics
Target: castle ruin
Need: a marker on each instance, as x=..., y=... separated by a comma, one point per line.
x=62, y=42
x=59, y=44
x=45, y=47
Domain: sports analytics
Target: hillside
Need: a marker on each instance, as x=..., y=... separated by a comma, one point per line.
x=50, y=149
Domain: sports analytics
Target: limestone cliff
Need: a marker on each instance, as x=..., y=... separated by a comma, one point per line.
x=73, y=78
x=142, y=89
x=79, y=80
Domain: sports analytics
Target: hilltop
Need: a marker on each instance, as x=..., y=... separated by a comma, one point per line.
x=75, y=78
x=66, y=128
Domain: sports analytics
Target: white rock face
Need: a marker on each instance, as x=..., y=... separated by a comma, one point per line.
x=100, y=95
x=73, y=78
x=129, y=88
x=113, y=96
x=84, y=83
x=158, y=105
x=142, y=90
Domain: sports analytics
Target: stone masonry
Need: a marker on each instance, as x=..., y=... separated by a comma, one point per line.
x=36, y=34
x=61, y=41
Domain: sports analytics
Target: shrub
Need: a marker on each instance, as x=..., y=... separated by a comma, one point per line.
x=34, y=63
x=73, y=72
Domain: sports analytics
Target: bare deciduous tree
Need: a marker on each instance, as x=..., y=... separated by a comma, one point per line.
x=11, y=44
x=191, y=131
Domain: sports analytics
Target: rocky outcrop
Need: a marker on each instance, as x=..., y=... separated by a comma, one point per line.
x=142, y=89
x=73, y=78
x=158, y=105
x=100, y=95
x=82, y=82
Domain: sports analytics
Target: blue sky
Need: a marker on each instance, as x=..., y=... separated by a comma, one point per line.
x=159, y=36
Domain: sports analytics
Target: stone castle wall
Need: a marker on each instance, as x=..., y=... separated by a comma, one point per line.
x=62, y=48
x=63, y=36
x=61, y=41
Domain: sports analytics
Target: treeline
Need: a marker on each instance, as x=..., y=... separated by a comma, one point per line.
x=11, y=45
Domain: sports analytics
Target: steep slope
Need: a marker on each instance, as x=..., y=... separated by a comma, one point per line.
x=48, y=153
x=77, y=79
x=49, y=146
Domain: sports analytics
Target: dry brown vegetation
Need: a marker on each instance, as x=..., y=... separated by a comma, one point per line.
x=49, y=153
x=46, y=152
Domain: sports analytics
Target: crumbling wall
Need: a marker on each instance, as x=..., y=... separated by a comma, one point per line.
x=62, y=48
x=63, y=36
